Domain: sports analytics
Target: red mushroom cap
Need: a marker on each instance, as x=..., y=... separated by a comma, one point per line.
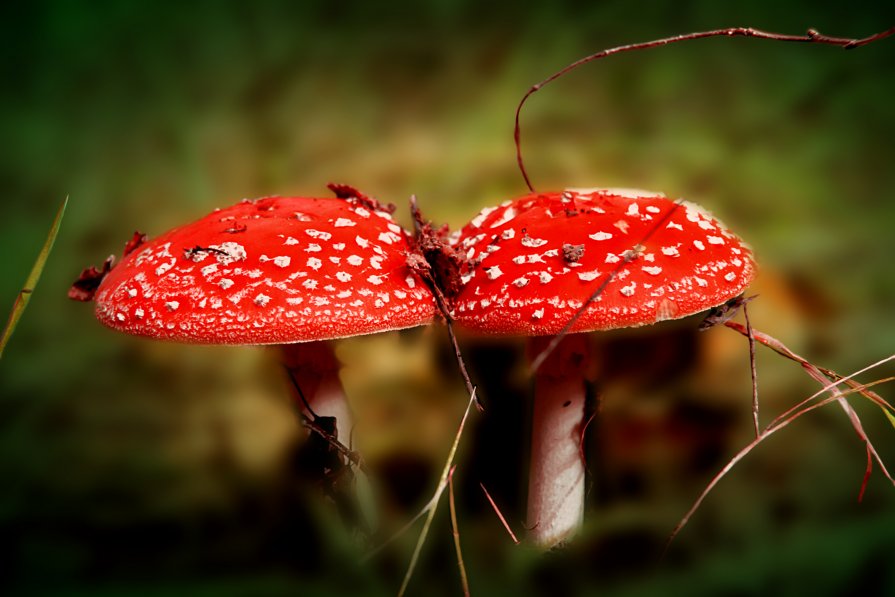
x=269, y=271
x=533, y=262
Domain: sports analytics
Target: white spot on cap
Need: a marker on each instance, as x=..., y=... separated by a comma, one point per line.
x=343, y=276
x=730, y=276
x=508, y=233
x=653, y=209
x=344, y=223
x=261, y=300
x=310, y=284
x=411, y=283
x=528, y=241
x=119, y=316
x=229, y=252
x=335, y=260
x=535, y=258
x=163, y=268
x=302, y=217
x=633, y=209
x=375, y=280
x=361, y=242
x=508, y=215
x=629, y=289
x=519, y=259
x=313, y=248
x=538, y=314
x=652, y=270
x=339, y=246
x=388, y=237
x=139, y=313
x=376, y=262
x=290, y=241
x=545, y=277
x=477, y=221
x=209, y=269
x=225, y=283
x=172, y=305
x=699, y=245
x=399, y=294
x=132, y=292
x=355, y=260
x=493, y=272
x=670, y=251
x=675, y=225
x=589, y=276
x=622, y=225
x=700, y=281
x=318, y=234
x=362, y=212
x=520, y=282
x=612, y=258
x=314, y=263
x=319, y=301
x=344, y=294
x=705, y=225
x=600, y=235
x=715, y=240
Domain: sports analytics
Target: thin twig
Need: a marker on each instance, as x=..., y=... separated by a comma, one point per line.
x=821, y=375
x=629, y=256
x=753, y=371
x=768, y=431
x=499, y=514
x=441, y=303
x=811, y=36
x=353, y=457
x=779, y=348
x=464, y=581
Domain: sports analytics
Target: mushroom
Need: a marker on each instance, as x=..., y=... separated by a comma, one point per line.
x=534, y=263
x=291, y=271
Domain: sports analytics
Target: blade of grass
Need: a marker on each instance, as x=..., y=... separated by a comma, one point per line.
x=433, y=505
x=456, y=528
x=27, y=290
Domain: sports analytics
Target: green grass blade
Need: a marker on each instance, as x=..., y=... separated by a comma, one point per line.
x=889, y=416
x=25, y=293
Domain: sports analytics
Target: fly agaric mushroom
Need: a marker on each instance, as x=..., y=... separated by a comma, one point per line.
x=532, y=265
x=292, y=271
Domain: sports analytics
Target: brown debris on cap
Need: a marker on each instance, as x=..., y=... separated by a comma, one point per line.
x=269, y=271
x=669, y=260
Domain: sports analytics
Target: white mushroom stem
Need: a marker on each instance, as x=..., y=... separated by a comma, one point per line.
x=557, y=473
x=315, y=371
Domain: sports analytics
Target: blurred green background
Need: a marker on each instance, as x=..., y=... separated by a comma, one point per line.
x=132, y=467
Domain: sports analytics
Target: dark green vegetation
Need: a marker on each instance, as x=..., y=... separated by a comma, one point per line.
x=133, y=467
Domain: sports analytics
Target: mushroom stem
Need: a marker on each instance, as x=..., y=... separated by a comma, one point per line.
x=314, y=369
x=557, y=471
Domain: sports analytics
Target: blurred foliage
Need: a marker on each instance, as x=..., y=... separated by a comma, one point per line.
x=131, y=467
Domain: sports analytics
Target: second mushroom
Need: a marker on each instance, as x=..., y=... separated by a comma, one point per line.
x=532, y=264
